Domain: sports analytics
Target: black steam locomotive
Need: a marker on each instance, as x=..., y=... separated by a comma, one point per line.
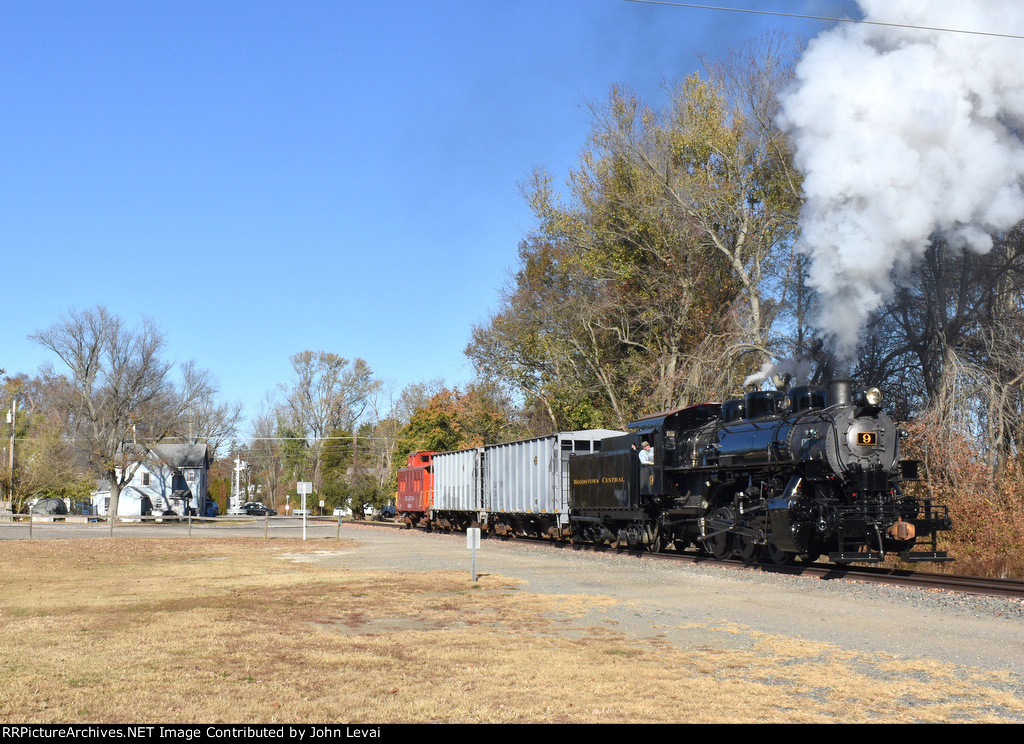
x=772, y=475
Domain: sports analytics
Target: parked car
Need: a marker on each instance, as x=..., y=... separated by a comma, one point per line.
x=212, y=508
x=341, y=511
x=388, y=512
x=258, y=509
x=48, y=506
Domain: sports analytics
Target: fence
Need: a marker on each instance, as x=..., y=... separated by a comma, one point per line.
x=24, y=526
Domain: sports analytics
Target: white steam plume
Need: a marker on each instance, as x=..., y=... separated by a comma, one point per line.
x=902, y=134
x=798, y=371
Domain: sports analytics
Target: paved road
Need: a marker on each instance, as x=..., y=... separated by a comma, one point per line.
x=219, y=527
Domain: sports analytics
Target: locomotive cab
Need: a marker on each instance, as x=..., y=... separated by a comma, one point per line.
x=650, y=474
x=616, y=499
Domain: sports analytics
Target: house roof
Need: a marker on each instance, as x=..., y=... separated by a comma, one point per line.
x=183, y=455
x=174, y=455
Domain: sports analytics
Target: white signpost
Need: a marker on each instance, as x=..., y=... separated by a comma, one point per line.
x=303, y=488
x=473, y=542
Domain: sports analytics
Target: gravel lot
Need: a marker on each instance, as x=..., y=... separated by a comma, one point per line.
x=791, y=647
x=679, y=602
x=675, y=602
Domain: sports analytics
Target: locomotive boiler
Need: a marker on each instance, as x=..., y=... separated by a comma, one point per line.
x=775, y=475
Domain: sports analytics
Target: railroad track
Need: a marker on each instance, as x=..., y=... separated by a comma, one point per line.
x=979, y=585
x=1009, y=588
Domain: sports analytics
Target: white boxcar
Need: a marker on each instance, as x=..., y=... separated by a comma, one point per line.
x=457, y=480
x=531, y=477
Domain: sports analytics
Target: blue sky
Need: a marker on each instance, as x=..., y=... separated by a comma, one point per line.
x=269, y=176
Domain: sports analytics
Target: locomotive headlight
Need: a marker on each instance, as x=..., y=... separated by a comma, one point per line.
x=873, y=396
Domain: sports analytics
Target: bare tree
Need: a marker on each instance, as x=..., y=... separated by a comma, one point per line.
x=117, y=390
x=208, y=420
x=265, y=454
x=329, y=393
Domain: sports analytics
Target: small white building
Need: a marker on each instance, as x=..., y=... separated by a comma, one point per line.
x=171, y=480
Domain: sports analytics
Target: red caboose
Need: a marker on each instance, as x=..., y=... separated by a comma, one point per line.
x=415, y=488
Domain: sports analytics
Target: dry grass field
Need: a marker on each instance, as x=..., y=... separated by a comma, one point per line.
x=251, y=631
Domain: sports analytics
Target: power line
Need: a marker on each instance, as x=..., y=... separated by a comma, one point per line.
x=227, y=439
x=825, y=18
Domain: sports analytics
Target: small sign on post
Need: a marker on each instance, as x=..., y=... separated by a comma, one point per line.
x=303, y=488
x=473, y=542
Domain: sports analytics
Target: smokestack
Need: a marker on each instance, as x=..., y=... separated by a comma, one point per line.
x=840, y=393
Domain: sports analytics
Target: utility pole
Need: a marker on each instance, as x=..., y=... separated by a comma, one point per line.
x=12, y=416
x=236, y=500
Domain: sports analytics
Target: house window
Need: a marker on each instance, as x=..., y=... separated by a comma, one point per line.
x=145, y=479
x=190, y=476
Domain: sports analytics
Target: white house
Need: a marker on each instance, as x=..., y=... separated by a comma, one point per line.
x=171, y=479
